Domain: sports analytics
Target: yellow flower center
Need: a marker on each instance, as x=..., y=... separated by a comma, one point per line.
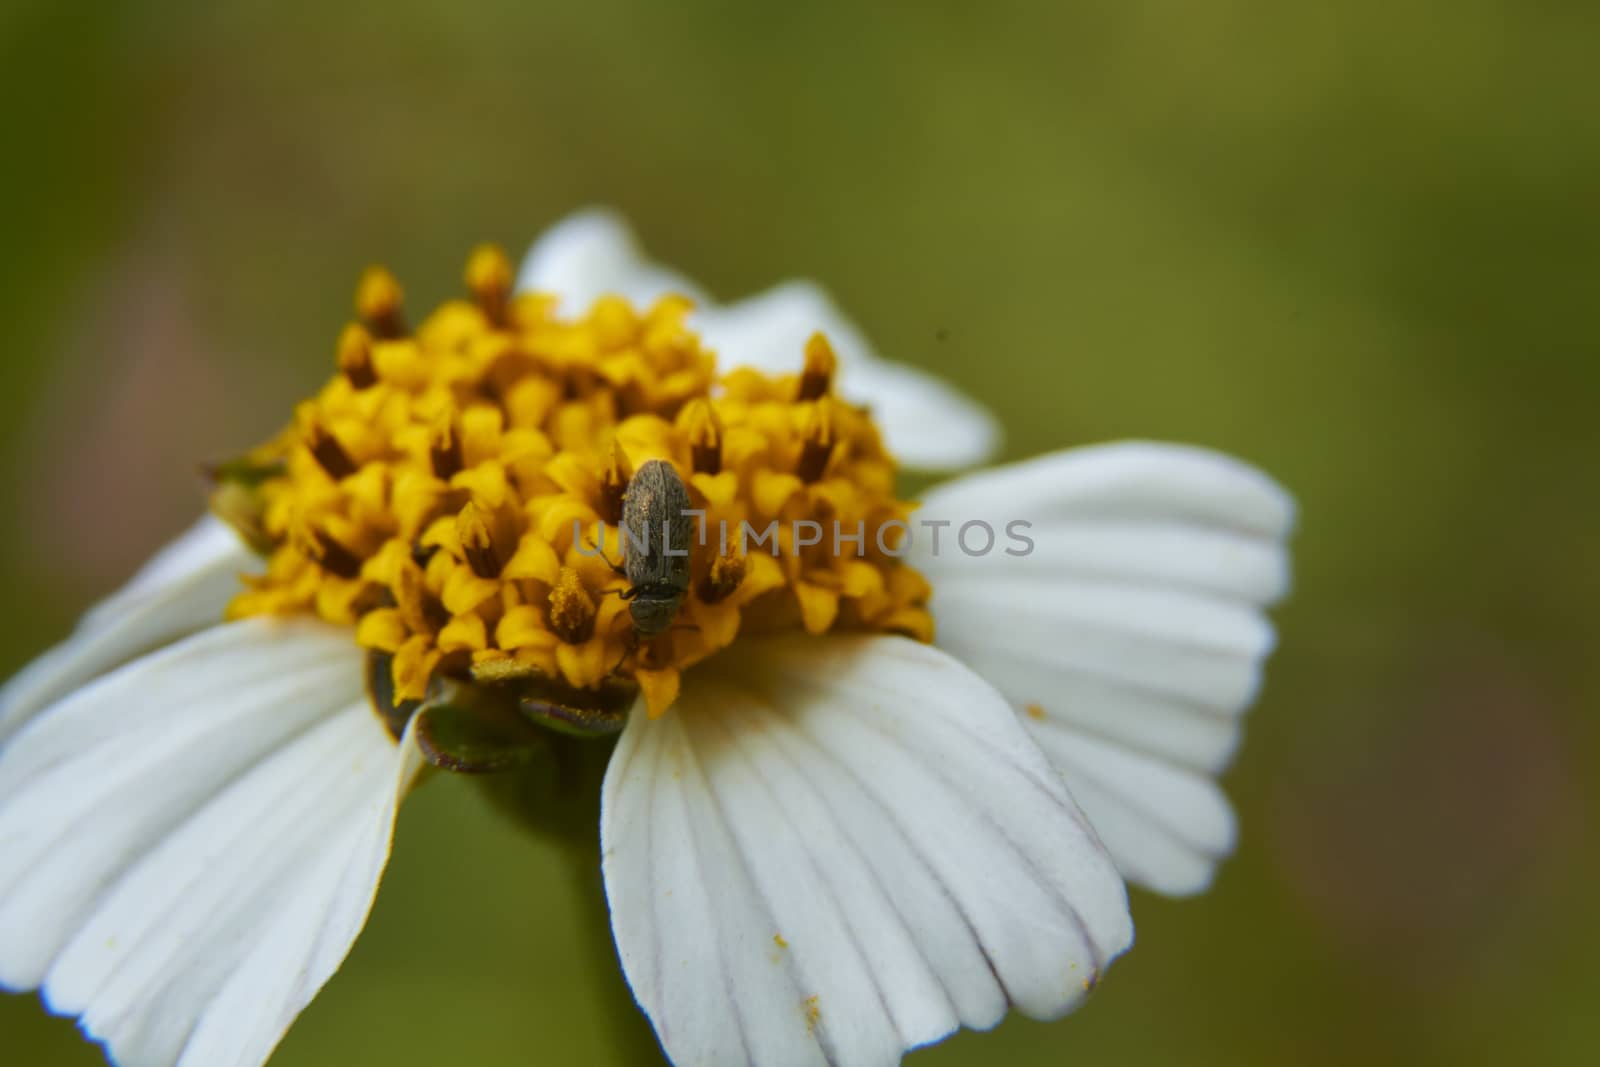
x=455, y=493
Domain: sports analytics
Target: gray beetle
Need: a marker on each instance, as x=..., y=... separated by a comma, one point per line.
x=655, y=541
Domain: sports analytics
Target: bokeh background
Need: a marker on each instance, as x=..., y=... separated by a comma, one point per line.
x=1355, y=243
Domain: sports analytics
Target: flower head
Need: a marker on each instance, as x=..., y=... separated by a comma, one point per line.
x=451, y=499
x=837, y=823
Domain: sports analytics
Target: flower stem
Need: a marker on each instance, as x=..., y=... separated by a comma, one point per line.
x=558, y=798
x=627, y=1030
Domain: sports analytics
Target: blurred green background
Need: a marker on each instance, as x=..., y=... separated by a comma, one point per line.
x=1357, y=244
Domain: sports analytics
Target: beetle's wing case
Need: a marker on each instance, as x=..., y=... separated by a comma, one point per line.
x=638, y=503
x=656, y=496
x=679, y=527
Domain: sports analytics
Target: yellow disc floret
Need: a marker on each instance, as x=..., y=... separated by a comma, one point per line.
x=454, y=493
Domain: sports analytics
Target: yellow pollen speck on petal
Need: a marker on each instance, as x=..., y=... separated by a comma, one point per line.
x=813, y=1009
x=1035, y=711
x=777, y=939
x=454, y=492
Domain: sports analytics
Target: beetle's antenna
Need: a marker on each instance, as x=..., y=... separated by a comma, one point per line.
x=600, y=551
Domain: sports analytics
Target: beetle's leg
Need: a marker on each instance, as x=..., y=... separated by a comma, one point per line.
x=633, y=646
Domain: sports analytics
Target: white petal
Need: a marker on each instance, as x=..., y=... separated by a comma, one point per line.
x=1173, y=826
x=591, y=254
x=1131, y=634
x=926, y=423
x=832, y=850
x=189, y=845
x=183, y=588
x=1130, y=480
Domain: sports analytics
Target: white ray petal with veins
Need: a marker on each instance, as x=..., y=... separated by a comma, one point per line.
x=190, y=844
x=183, y=588
x=1130, y=638
x=835, y=849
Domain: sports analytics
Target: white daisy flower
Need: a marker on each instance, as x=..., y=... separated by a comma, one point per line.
x=845, y=837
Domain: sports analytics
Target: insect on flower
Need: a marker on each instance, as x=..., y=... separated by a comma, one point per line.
x=656, y=530
x=830, y=830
